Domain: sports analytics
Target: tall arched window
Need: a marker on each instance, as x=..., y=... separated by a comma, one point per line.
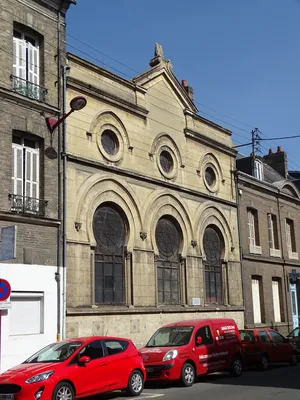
x=110, y=232
x=213, y=246
x=168, y=239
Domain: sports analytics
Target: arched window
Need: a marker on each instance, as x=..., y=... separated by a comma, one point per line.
x=168, y=239
x=213, y=246
x=110, y=232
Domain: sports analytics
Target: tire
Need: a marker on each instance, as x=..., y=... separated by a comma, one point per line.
x=188, y=375
x=63, y=390
x=294, y=360
x=135, y=383
x=236, y=367
x=264, y=363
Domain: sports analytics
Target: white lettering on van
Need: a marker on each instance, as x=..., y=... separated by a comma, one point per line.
x=213, y=355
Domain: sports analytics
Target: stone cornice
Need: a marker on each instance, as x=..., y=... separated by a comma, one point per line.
x=154, y=181
x=199, y=137
x=208, y=122
x=107, y=97
x=21, y=218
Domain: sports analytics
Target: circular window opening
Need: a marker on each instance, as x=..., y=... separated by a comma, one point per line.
x=166, y=161
x=210, y=176
x=110, y=142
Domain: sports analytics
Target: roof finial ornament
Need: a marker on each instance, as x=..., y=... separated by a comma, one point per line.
x=158, y=52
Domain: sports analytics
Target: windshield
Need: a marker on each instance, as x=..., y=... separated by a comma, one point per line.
x=171, y=336
x=55, y=352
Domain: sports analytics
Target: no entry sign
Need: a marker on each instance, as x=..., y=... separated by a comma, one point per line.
x=5, y=290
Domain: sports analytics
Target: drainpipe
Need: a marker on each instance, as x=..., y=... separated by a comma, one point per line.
x=239, y=232
x=283, y=265
x=57, y=275
x=65, y=70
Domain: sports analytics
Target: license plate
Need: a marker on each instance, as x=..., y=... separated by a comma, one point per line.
x=7, y=397
x=149, y=369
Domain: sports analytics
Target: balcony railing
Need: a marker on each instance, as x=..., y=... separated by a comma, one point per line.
x=28, y=89
x=27, y=205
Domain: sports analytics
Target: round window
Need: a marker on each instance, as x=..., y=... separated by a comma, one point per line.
x=110, y=142
x=210, y=176
x=166, y=161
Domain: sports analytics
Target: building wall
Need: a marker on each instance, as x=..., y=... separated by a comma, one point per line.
x=265, y=199
x=145, y=119
x=15, y=348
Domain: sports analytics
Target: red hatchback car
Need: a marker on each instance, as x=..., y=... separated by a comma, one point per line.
x=264, y=346
x=76, y=368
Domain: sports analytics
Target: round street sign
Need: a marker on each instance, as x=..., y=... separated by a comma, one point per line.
x=5, y=290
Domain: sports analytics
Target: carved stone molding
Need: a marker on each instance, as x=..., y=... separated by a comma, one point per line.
x=78, y=226
x=194, y=243
x=143, y=235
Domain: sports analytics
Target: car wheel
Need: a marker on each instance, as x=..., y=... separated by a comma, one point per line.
x=294, y=360
x=188, y=375
x=236, y=367
x=63, y=391
x=135, y=383
x=264, y=363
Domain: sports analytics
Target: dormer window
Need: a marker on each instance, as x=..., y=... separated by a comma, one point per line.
x=258, y=170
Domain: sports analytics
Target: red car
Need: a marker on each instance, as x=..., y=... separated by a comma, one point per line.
x=264, y=346
x=76, y=368
x=183, y=350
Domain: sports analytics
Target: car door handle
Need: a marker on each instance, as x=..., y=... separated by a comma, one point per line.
x=101, y=365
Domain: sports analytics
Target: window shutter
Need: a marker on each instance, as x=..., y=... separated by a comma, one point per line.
x=256, y=301
x=271, y=232
x=276, y=300
x=288, y=236
x=19, y=58
x=17, y=170
x=32, y=173
x=33, y=69
x=251, y=229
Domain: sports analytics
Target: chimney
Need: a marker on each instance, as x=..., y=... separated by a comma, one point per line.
x=188, y=89
x=278, y=161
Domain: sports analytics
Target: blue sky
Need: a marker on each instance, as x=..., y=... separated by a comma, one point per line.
x=241, y=57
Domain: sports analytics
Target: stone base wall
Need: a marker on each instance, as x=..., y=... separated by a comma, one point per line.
x=138, y=327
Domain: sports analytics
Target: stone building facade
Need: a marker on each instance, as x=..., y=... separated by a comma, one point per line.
x=269, y=205
x=152, y=216
x=32, y=51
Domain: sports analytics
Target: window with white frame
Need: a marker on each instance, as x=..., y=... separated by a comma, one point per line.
x=25, y=172
x=26, y=316
x=290, y=239
x=253, y=232
x=258, y=170
x=26, y=64
x=276, y=290
x=257, y=299
x=273, y=236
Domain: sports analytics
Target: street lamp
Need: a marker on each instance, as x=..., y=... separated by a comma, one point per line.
x=76, y=104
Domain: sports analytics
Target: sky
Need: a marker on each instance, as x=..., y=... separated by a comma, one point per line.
x=242, y=57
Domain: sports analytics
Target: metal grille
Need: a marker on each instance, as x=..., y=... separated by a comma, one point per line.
x=110, y=142
x=168, y=241
x=29, y=89
x=213, y=266
x=28, y=205
x=110, y=233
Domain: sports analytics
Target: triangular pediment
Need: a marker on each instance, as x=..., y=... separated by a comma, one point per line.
x=163, y=72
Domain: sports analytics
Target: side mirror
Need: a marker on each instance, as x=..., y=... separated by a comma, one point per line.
x=199, y=340
x=84, y=360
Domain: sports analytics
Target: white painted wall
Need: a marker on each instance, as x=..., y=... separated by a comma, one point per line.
x=28, y=278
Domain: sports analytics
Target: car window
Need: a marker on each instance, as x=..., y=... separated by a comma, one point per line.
x=247, y=336
x=205, y=334
x=115, y=346
x=171, y=336
x=263, y=336
x=93, y=350
x=295, y=333
x=276, y=337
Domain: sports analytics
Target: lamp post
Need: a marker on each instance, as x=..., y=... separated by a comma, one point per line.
x=76, y=104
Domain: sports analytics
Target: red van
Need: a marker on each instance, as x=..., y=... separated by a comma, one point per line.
x=183, y=350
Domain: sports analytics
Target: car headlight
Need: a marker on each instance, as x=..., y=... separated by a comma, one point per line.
x=170, y=355
x=40, y=377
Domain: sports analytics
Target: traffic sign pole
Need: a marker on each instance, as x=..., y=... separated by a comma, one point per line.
x=5, y=291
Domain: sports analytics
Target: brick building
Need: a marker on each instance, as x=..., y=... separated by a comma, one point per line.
x=269, y=206
x=32, y=51
x=151, y=206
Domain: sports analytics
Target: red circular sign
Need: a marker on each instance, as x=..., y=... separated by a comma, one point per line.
x=5, y=290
